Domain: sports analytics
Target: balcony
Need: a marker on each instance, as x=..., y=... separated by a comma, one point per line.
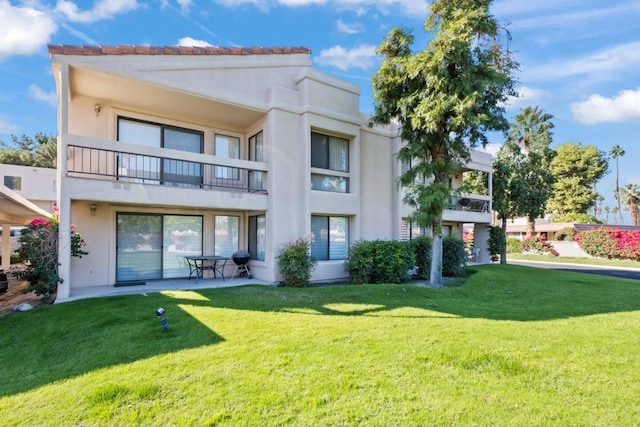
x=136, y=164
x=474, y=208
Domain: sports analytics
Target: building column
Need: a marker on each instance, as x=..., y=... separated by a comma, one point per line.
x=481, y=241
x=6, y=246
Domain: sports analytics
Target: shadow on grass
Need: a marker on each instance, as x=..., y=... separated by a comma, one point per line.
x=67, y=340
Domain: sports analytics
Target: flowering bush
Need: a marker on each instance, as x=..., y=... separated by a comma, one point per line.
x=538, y=245
x=39, y=248
x=610, y=243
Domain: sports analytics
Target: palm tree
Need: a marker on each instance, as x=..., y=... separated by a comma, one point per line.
x=616, y=152
x=532, y=132
x=631, y=195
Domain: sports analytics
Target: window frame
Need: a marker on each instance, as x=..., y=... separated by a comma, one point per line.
x=328, y=229
x=323, y=176
x=163, y=128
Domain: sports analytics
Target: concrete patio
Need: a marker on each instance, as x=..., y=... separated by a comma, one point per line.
x=158, y=286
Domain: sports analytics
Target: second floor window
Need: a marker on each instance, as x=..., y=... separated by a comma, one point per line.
x=229, y=147
x=329, y=163
x=148, y=169
x=13, y=182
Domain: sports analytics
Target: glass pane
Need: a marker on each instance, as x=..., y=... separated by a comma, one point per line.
x=226, y=235
x=182, y=237
x=338, y=154
x=338, y=237
x=320, y=237
x=228, y=147
x=139, y=133
x=257, y=237
x=176, y=139
x=336, y=184
x=256, y=148
x=319, y=151
x=138, y=247
x=177, y=172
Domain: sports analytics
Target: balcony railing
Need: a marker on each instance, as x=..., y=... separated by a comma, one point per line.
x=468, y=204
x=139, y=168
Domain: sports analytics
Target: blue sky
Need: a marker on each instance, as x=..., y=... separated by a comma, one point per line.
x=580, y=59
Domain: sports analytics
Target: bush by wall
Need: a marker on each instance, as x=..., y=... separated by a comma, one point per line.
x=454, y=257
x=296, y=263
x=497, y=240
x=421, y=248
x=39, y=247
x=380, y=261
x=567, y=233
x=514, y=245
x=538, y=245
x=610, y=243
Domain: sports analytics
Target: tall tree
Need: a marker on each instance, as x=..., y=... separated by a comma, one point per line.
x=509, y=189
x=39, y=151
x=531, y=131
x=443, y=98
x=631, y=195
x=576, y=168
x=617, y=152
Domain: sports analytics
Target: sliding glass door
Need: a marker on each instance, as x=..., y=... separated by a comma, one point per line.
x=153, y=246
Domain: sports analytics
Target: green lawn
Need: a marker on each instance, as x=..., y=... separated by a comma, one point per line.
x=511, y=345
x=575, y=260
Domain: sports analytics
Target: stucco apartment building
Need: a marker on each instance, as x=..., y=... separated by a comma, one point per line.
x=171, y=151
x=25, y=193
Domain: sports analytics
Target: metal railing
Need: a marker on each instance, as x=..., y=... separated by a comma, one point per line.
x=468, y=204
x=139, y=168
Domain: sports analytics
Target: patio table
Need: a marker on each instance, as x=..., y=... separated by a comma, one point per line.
x=199, y=263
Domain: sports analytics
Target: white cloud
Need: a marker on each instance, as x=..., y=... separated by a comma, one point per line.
x=37, y=93
x=6, y=127
x=527, y=96
x=353, y=28
x=362, y=56
x=410, y=7
x=24, y=29
x=102, y=9
x=624, y=107
x=184, y=5
x=603, y=63
x=491, y=148
x=191, y=42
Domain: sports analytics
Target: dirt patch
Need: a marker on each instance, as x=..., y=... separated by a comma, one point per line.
x=15, y=296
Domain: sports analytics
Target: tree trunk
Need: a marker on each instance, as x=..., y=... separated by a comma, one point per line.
x=531, y=227
x=436, y=256
x=633, y=207
x=503, y=252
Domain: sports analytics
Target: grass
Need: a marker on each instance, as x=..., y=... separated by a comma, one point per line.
x=512, y=345
x=575, y=260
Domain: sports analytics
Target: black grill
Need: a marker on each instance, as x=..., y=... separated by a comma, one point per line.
x=240, y=259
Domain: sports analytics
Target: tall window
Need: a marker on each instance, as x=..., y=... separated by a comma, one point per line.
x=257, y=237
x=153, y=169
x=409, y=230
x=256, y=154
x=330, y=237
x=331, y=154
x=226, y=235
x=228, y=147
x=13, y=182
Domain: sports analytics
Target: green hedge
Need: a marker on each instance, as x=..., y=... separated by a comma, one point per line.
x=380, y=261
x=454, y=257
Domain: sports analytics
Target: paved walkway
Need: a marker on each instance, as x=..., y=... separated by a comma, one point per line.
x=157, y=286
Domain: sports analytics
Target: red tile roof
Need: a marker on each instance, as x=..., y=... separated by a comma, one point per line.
x=172, y=50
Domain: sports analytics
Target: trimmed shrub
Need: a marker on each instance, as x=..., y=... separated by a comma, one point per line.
x=497, y=240
x=514, y=245
x=610, y=243
x=538, y=245
x=454, y=257
x=567, y=233
x=379, y=261
x=421, y=248
x=296, y=263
